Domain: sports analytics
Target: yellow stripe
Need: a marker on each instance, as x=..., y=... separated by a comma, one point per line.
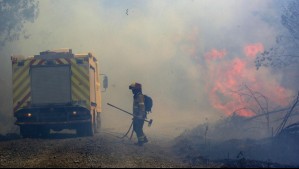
x=83, y=72
x=83, y=76
x=75, y=96
x=78, y=95
x=21, y=70
x=23, y=94
x=64, y=61
x=83, y=90
x=80, y=80
x=19, y=91
x=19, y=82
x=79, y=91
x=79, y=77
x=25, y=102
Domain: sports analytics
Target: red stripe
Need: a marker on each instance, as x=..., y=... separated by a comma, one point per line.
x=22, y=102
x=68, y=60
x=59, y=61
x=32, y=62
x=41, y=62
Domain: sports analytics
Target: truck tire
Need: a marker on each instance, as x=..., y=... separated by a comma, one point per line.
x=29, y=132
x=44, y=132
x=24, y=131
x=85, y=130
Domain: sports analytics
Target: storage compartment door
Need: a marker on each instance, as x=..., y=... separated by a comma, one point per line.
x=51, y=85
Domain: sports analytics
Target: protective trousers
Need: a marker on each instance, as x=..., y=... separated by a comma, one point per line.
x=138, y=128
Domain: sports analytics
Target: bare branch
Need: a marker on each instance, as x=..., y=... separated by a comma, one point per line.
x=282, y=125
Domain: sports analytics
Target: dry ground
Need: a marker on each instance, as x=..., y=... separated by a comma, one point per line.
x=102, y=150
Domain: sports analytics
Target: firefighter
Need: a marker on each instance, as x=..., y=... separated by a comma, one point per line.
x=139, y=113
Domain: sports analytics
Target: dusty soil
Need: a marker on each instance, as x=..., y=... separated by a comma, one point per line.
x=106, y=150
x=102, y=150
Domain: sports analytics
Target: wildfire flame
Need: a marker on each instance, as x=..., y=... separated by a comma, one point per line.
x=252, y=50
x=227, y=75
x=215, y=54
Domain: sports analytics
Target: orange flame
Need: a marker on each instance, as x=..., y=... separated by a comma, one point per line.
x=215, y=54
x=231, y=74
x=252, y=50
x=226, y=73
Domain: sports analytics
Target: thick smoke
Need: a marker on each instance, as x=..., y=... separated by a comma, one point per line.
x=177, y=50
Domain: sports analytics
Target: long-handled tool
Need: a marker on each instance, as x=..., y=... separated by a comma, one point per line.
x=150, y=122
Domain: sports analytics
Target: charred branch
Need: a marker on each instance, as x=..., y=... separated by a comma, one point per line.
x=286, y=118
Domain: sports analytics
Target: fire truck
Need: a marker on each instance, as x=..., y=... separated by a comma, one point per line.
x=57, y=90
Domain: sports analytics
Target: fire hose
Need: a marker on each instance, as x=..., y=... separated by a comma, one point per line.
x=150, y=122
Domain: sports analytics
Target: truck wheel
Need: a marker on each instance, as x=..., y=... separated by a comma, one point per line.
x=85, y=130
x=24, y=131
x=29, y=131
x=44, y=132
x=81, y=130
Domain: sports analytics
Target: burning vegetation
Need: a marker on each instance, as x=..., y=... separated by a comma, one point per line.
x=239, y=141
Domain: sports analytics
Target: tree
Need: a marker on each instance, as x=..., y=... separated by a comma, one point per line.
x=286, y=50
x=13, y=15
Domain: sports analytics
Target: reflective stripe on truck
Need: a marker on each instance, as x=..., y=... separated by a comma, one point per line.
x=80, y=82
x=80, y=86
x=21, y=82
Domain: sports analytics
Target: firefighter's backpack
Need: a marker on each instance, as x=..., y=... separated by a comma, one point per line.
x=148, y=103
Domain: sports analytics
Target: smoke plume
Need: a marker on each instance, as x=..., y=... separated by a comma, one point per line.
x=188, y=55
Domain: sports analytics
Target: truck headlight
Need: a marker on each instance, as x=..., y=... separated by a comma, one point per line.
x=28, y=115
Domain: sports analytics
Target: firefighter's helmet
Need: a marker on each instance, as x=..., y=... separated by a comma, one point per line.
x=135, y=86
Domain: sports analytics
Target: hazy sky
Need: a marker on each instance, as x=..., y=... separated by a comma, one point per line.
x=188, y=55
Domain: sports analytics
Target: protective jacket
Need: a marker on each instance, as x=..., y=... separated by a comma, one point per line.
x=138, y=106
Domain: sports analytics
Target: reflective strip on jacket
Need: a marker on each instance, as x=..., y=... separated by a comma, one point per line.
x=138, y=106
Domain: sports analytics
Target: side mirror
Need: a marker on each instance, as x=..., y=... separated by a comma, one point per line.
x=105, y=82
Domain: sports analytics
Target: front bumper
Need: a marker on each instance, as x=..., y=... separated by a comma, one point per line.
x=53, y=116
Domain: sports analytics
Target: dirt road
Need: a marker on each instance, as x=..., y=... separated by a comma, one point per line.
x=67, y=150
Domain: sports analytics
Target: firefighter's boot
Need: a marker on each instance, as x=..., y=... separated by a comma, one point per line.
x=145, y=140
x=139, y=143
